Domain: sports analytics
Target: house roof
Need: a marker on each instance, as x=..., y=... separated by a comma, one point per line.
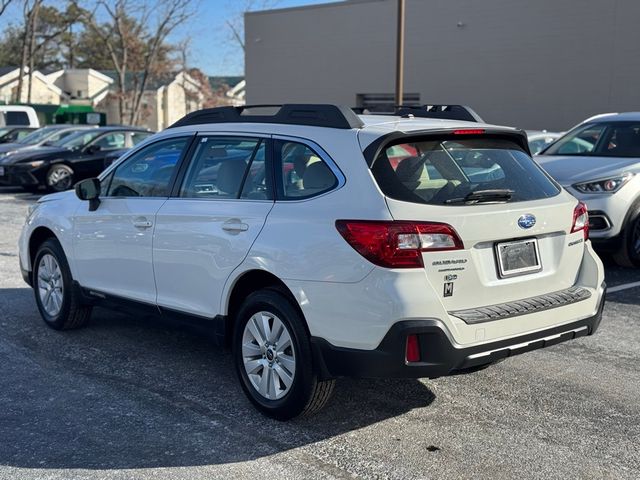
x=220, y=82
x=153, y=83
x=5, y=70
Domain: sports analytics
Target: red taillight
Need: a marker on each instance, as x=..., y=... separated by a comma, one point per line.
x=413, y=349
x=398, y=244
x=469, y=131
x=581, y=220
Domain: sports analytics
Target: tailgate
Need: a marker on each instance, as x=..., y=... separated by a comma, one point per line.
x=472, y=277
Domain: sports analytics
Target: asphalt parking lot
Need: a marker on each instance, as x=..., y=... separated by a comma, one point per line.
x=130, y=397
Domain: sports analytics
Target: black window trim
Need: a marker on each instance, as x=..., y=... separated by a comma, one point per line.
x=317, y=149
x=188, y=158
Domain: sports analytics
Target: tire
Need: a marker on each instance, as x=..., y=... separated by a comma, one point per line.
x=629, y=253
x=57, y=300
x=59, y=178
x=305, y=394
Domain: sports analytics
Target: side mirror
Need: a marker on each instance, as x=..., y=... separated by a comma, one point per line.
x=89, y=189
x=91, y=149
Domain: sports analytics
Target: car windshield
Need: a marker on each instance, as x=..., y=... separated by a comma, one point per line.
x=452, y=171
x=77, y=140
x=603, y=139
x=4, y=130
x=38, y=136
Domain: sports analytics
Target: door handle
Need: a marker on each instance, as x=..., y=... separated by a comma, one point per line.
x=235, y=227
x=142, y=223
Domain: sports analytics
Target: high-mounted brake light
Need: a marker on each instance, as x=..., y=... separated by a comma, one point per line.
x=398, y=244
x=469, y=131
x=581, y=220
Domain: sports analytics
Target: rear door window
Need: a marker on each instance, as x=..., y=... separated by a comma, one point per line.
x=227, y=167
x=303, y=172
x=453, y=171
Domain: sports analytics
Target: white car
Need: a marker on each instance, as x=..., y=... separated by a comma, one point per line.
x=314, y=256
x=539, y=140
x=18, y=115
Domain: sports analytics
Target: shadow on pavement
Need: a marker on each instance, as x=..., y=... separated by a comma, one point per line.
x=130, y=392
x=21, y=195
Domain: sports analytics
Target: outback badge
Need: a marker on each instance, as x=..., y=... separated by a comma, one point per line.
x=527, y=221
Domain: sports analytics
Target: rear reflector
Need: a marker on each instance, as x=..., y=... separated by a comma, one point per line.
x=398, y=244
x=413, y=349
x=469, y=131
x=581, y=220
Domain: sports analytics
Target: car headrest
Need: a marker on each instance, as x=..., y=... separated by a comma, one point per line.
x=318, y=176
x=230, y=176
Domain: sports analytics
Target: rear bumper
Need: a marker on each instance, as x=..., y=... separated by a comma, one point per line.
x=439, y=353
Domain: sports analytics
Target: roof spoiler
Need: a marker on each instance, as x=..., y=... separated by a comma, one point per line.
x=445, y=112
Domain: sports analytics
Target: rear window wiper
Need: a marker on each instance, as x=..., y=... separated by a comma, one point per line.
x=483, y=196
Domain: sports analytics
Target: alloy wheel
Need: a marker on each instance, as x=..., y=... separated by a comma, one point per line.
x=268, y=355
x=50, y=285
x=59, y=179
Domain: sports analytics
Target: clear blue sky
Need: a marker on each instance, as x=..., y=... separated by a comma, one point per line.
x=212, y=49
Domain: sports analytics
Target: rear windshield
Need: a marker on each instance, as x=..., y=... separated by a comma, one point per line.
x=460, y=172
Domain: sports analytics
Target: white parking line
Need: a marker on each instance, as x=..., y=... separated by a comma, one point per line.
x=624, y=286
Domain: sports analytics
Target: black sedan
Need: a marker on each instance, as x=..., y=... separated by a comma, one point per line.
x=13, y=134
x=59, y=166
x=46, y=136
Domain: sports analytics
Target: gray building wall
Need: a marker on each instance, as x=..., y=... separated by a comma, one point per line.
x=528, y=63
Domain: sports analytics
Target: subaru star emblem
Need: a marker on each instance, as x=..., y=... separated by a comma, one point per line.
x=527, y=221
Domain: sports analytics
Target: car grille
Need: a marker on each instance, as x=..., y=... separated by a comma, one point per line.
x=523, y=307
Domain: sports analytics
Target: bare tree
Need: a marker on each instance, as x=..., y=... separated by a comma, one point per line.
x=171, y=13
x=236, y=22
x=135, y=37
x=183, y=48
x=117, y=35
x=3, y=5
x=32, y=45
x=30, y=14
x=43, y=24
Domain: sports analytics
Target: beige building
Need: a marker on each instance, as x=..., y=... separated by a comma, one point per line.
x=43, y=91
x=164, y=101
x=532, y=64
x=82, y=84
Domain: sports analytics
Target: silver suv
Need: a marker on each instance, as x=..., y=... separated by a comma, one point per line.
x=598, y=162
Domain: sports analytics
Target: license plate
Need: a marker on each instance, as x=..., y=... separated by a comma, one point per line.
x=1, y=171
x=518, y=257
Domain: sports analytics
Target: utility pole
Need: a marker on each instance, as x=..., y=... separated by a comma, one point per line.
x=400, y=54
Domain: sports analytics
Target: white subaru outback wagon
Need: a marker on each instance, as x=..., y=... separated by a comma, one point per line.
x=317, y=243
